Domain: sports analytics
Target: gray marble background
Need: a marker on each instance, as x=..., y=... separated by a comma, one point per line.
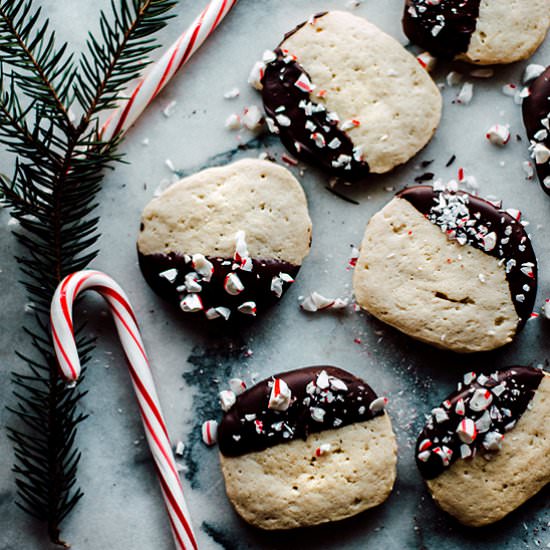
x=122, y=507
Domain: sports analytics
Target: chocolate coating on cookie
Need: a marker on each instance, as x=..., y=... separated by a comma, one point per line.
x=166, y=274
x=322, y=398
x=305, y=127
x=536, y=117
x=443, y=28
x=475, y=417
x=479, y=223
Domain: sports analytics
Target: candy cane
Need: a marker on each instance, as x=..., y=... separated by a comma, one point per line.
x=142, y=380
x=163, y=70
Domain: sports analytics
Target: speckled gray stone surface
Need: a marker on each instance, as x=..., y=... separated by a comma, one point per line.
x=122, y=508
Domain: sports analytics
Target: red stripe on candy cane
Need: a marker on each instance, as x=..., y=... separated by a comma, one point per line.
x=142, y=380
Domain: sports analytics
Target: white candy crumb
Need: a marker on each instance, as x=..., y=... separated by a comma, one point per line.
x=252, y=118
x=317, y=302
x=466, y=94
x=233, y=122
x=232, y=94
x=169, y=109
x=498, y=134
x=180, y=447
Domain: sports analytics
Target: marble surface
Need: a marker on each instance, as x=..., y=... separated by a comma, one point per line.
x=122, y=507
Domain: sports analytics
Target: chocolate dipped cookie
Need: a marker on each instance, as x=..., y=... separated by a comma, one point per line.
x=306, y=447
x=484, y=451
x=227, y=242
x=347, y=97
x=447, y=268
x=483, y=32
x=536, y=117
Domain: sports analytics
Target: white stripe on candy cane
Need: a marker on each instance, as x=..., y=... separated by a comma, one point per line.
x=142, y=380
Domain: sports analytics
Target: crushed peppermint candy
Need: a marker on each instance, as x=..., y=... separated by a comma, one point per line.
x=466, y=94
x=248, y=308
x=479, y=412
x=323, y=449
x=191, y=303
x=237, y=386
x=233, y=122
x=202, y=266
x=280, y=397
x=379, y=404
x=217, y=313
x=227, y=399
x=170, y=275
x=252, y=118
x=317, y=302
x=232, y=94
x=293, y=405
x=498, y=134
x=277, y=283
x=233, y=284
x=469, y=220
x=427, y=61
x=308, y=128
x=209, y=432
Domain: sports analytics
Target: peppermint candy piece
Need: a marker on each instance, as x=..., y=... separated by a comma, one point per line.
x=498, y=134
x=209, y=431
x=467, y=431
x=191, y=303
x=227, y=399
x=323, y=449
x=202, y=266
x=317, y=302
x=480, y=400
x=280, y=397
x=378, y=404
x=237, y=386
x=170, y=275
x=493, y=441
x=317, y=414
x=232, y=284
x=248, y=308
x=217, y=312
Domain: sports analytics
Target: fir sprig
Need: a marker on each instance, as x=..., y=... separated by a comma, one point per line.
x=52, y=194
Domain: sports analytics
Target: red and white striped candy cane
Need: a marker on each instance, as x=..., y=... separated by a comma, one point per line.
x=142, y=379
x=168, y=65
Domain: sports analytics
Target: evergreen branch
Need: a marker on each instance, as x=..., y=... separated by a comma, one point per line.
x=52, y=194
x=110, y=64
x=27, y=44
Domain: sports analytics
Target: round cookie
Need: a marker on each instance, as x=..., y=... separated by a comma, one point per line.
x=484, y=451
x=536, y=117
x=483, y=32
x=347, y=97
x=227, y=242
x=447, y=268
x=307, y=447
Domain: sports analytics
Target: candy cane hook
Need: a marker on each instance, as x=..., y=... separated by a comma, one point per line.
x=142, y=380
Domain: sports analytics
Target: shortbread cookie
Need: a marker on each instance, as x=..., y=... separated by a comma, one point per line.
x=306, y=447
x=447, y=268
x=484, y=32
x=346, y=96
x=227, y=242
x=536, y=116
x=484, y=451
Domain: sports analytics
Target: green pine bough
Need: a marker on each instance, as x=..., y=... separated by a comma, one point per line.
x=59, y=167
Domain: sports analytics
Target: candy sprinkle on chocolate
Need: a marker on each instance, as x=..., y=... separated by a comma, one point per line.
x=294, y=404
x=482, y=410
